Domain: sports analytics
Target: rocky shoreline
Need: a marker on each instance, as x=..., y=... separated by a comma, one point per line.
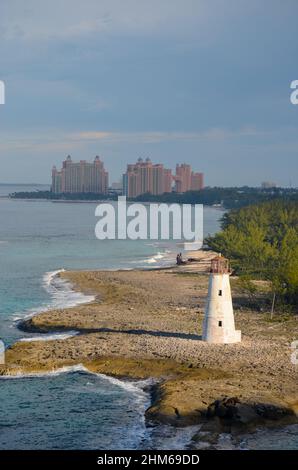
x=147, y=324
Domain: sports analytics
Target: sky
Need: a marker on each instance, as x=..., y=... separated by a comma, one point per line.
x=205, y=82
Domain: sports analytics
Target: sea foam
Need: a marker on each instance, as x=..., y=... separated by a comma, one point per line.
x=61, y=293
x=51, y=336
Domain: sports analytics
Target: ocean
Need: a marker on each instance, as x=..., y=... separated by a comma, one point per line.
x=72, y=408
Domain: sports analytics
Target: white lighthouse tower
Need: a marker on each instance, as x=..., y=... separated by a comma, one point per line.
x=219, y=325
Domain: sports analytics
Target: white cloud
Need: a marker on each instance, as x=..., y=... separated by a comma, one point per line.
x=156, y=137
x=66, y=142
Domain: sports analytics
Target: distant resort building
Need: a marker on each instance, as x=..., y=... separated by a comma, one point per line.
x=187, y=180
x=145, y=177
x=142, y=177
x=80, y=177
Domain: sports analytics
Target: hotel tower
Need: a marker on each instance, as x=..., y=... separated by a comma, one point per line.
x=80, y=177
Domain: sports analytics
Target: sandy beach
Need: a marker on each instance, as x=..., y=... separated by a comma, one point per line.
x=145, y=324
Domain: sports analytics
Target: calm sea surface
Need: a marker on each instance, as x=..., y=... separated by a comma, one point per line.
x=72, y=408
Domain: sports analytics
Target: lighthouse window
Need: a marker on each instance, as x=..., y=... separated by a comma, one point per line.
x=220, y=323
x=220, y=293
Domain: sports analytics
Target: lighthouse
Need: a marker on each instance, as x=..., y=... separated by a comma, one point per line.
x=219, y=324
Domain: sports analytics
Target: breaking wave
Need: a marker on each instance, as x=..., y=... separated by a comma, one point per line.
x=50, y=336
x=160, y=259
x=61, y=293
x=139, y=435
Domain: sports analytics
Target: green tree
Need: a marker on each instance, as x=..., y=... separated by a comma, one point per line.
x=262, y=242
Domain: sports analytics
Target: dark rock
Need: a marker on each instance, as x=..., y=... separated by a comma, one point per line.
x=270, y=412
x=230, y=413
x=225, y=408
x=245, y=414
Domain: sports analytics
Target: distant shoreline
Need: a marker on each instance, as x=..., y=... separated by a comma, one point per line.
x=82, y=201
x=97, y=201
x=223, y=198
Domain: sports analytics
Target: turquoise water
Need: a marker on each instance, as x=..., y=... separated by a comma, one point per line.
x=72, y=409
x=37, y=237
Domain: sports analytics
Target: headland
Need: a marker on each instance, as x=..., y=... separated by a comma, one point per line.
x=147, y=324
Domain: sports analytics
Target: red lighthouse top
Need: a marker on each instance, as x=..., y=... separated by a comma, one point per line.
x=220, y=265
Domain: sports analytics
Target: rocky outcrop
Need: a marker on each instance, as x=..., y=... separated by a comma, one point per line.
x=232, y=412
x=147, y=325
